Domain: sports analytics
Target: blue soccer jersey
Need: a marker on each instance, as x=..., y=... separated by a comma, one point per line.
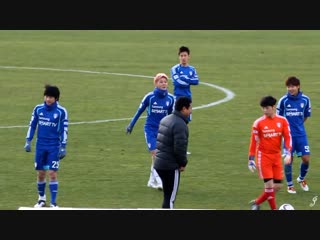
x=183, y=77
x=158, y=104
x=52, y=124
x=296, y=109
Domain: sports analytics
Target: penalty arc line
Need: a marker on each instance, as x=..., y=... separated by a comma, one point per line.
x=229, y=94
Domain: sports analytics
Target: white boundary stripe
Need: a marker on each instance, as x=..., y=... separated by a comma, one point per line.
x=229, y=94
x=71, y=208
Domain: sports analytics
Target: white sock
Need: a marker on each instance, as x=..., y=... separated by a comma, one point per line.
x=42, y=198
x=156, y=176
x=151, y=178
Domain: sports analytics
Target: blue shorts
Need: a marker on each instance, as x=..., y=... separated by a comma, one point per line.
x=47, y=158
x=300, y=146
x=150, y=134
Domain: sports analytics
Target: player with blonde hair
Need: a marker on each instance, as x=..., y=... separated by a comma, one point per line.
x=158, y=104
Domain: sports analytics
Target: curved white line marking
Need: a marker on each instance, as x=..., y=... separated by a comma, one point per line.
x=229, y=94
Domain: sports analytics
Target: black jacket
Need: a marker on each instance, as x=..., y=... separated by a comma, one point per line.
x=172, y=142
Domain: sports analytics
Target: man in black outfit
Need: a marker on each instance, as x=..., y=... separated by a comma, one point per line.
x=171, y=152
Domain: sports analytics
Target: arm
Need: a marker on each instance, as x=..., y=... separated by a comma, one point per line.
x=194, y=80
x=287, y=141
x=254, y=138
x=181, y=81
x=307, y=110
x=180, y=142
x=32, y=125
x=64, y=133
x=63, y=124
x=252, y=148
x=143, y=105
x=31, y=130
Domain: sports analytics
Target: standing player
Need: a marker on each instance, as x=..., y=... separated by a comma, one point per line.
x=266, y=144
x=183, y=76
x=51, y=122
x=296, y=107
x=159, y=103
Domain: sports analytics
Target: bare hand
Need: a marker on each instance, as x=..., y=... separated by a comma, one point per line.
x=181, y=169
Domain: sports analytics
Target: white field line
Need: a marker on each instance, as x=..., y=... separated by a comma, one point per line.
x=229, y=94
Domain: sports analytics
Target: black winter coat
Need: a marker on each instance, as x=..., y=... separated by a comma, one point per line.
x=172, y=142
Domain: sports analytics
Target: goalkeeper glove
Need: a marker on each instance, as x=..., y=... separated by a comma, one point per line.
x=251, y=164
x=287, y=159
x=286, y=156
x=27, y=146
x=129, y=129
x=62, y=152
x=285, y=153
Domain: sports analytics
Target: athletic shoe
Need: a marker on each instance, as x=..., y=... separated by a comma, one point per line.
x=303, y=184
x=253, y=205
x=40, y=203
x=53, y=205
x=151, y=184
x=158, y=186
x=188, y=153
x=291, y=190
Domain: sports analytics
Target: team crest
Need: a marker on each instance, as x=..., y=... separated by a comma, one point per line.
x=301, y=105
x=167, y=103
x=279, y=125
x=55, y=115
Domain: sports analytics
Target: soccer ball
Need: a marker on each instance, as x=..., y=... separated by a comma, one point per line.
x=286, y=206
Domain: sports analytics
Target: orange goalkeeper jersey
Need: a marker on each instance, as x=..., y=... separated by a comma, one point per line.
x=267, y=134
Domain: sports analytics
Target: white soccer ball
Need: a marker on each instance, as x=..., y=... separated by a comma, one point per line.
x=286, y=206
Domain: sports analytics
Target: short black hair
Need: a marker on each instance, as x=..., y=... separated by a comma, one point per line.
x=268, y=101
x=182, y=102
x=52, y=91
x=184, y=49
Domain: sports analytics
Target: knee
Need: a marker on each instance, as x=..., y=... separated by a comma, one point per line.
x=305, y=159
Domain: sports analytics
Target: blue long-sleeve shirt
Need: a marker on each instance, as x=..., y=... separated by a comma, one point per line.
x=295, y=109
x=52, y=123
x=159, y=103
x=183, y=77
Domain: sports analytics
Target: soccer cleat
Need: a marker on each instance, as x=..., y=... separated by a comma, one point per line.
x=303, y=184
x=291, y=190
x=40, y=204
x=53, y=205
x=253, y=205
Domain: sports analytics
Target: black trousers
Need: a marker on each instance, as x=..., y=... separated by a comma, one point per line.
x=170, y=185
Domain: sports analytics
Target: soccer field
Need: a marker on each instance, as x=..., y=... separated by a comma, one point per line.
x=103, y=76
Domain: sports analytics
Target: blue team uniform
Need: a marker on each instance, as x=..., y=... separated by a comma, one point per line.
x=183, y=77
x=158, y=103
x=296, y=109
x=52, y=133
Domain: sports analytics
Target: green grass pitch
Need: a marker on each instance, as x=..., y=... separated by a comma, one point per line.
x=104, y=74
